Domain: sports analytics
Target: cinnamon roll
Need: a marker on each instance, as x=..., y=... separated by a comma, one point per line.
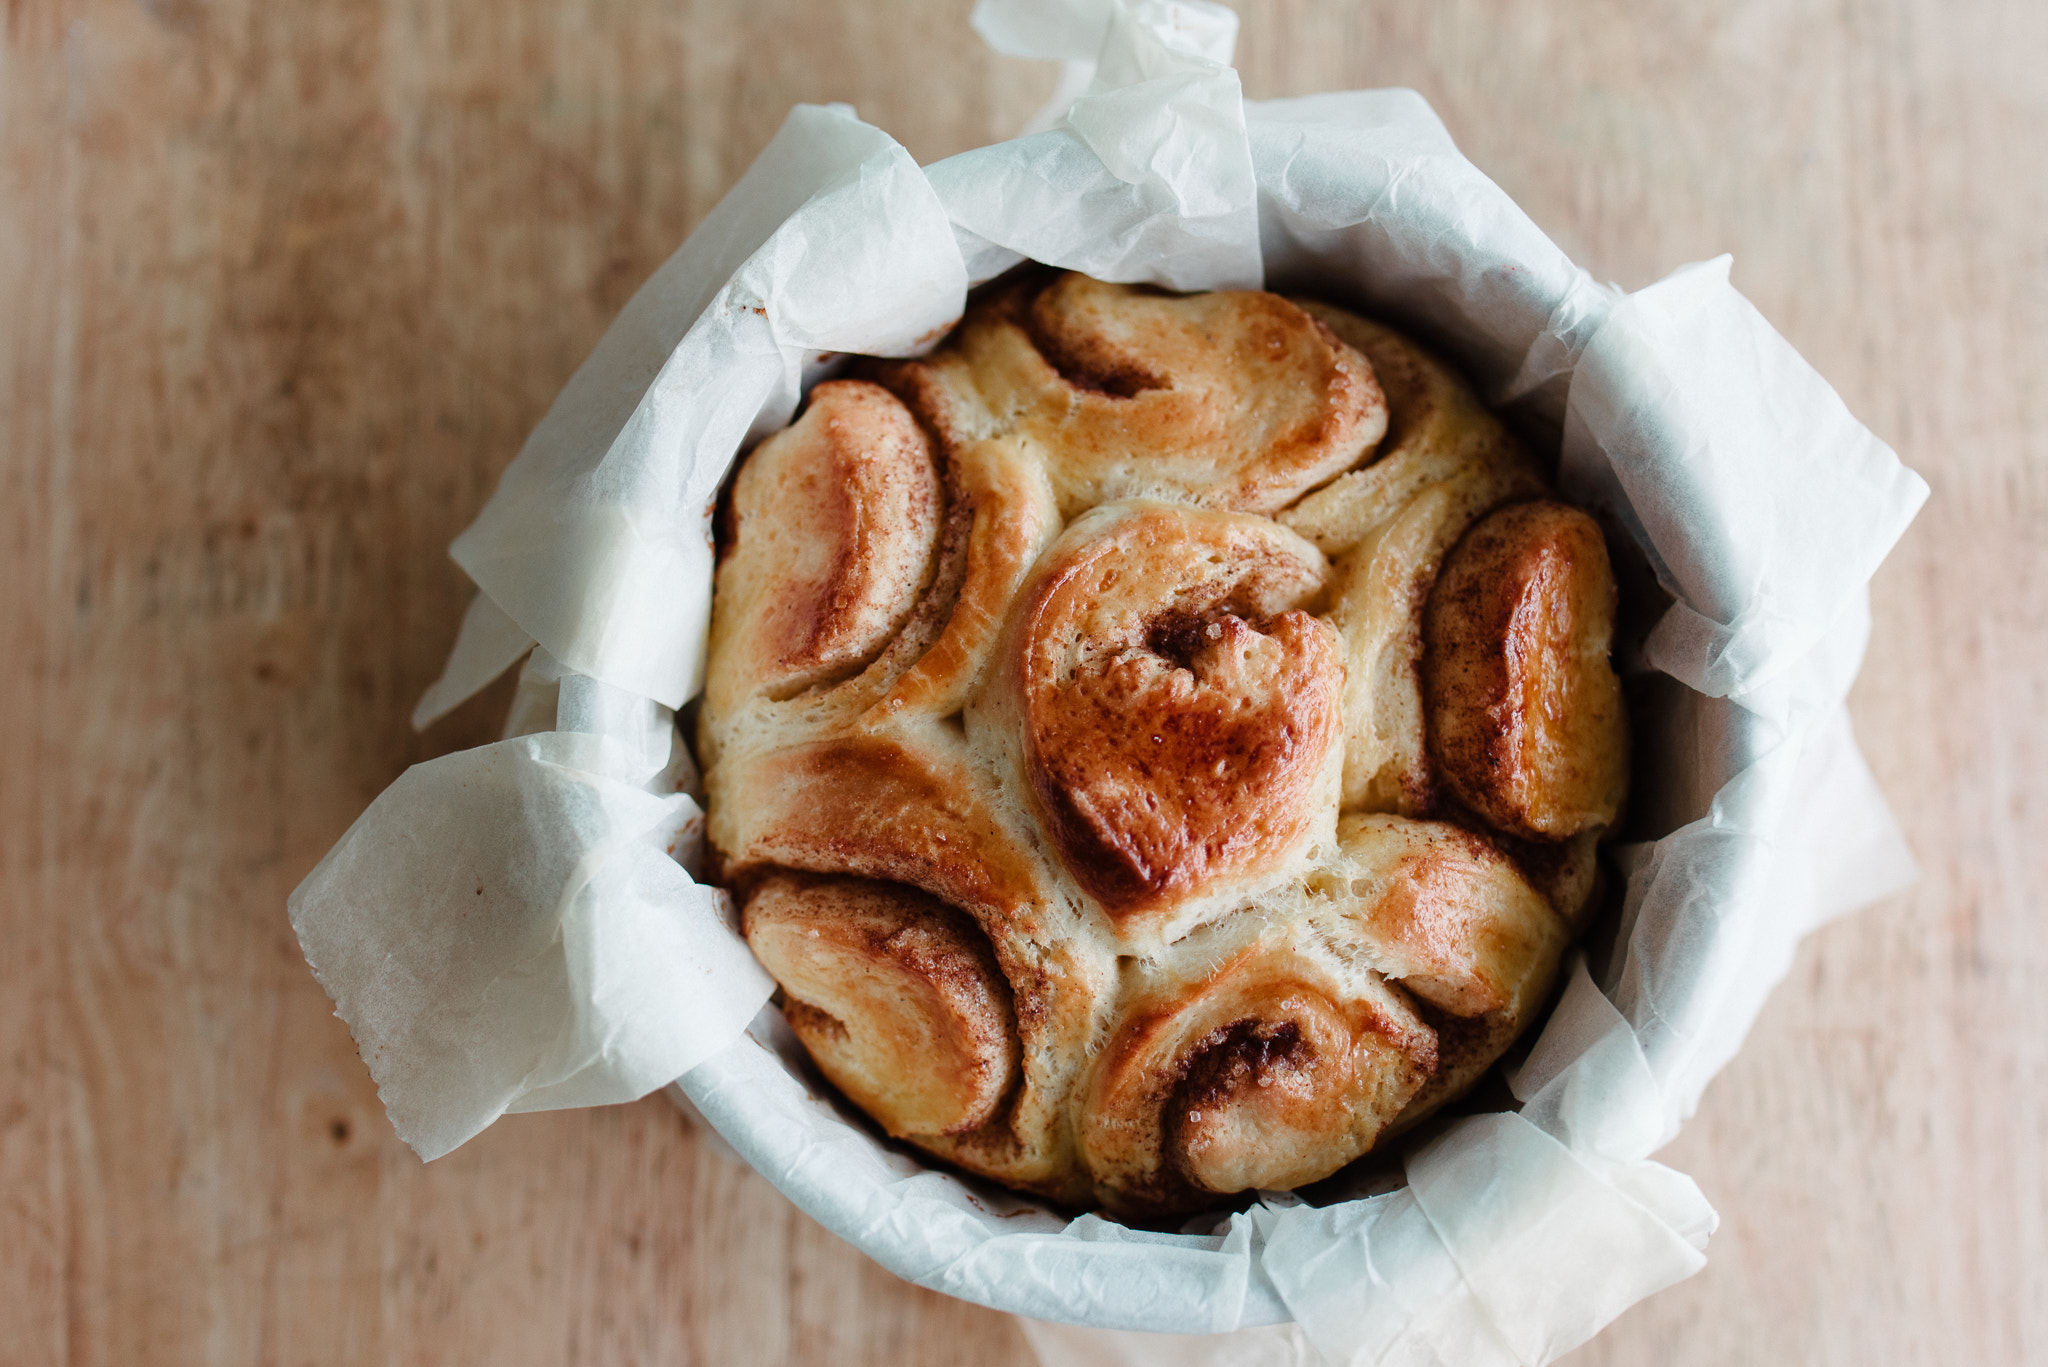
x=1280, y=1059
x=896, y=996
x=1175, y=714
x=1160, y=742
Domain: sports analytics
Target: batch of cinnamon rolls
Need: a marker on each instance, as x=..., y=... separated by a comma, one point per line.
x=1158, y=743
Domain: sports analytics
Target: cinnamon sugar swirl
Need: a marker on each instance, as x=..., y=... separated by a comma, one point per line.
x=1159, y=743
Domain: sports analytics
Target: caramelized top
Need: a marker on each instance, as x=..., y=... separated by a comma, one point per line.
x=1528, y=719
x=1179, y=711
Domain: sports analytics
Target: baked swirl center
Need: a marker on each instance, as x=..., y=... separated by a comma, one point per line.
x=1179, y=709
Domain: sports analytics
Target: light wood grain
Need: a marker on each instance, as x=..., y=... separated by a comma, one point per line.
x=282, y=287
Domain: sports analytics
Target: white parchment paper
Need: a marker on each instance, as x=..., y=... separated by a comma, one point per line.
x=511, y=929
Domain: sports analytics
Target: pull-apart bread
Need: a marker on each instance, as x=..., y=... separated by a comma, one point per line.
x=1159, y=743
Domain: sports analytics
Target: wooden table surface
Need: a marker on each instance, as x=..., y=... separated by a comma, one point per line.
x=283, y=286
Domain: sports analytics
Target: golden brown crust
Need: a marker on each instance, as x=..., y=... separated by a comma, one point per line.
x=895, y=994
x=1178, y=712
x=1526, y=714
x=834, y=523
x=1014, y=519
x=877, y=807
x=1235, y=400
x=1137, y=755
x=1437, y=433
x=1447, y=915
x=1273, y=1069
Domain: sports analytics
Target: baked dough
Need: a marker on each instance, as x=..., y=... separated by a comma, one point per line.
x=1160, y=742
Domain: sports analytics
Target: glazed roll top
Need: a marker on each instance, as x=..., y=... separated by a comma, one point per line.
x=1527, y=710
x=1179, y=713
